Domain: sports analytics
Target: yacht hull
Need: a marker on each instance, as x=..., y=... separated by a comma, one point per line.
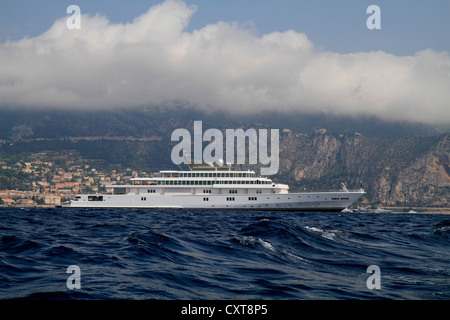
x=310, y=201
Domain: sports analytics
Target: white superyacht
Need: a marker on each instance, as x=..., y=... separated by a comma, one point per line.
x=214, y=186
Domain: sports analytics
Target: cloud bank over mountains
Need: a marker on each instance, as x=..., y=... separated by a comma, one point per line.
x=222, y=66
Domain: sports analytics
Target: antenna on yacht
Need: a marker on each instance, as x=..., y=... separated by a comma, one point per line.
x=187, y=160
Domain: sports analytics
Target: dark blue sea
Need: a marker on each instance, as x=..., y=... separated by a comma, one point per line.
x=181, y=254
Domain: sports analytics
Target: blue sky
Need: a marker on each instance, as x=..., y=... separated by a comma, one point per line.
x=338, y=26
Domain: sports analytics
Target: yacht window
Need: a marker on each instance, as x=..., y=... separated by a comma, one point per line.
x=95, y=198
x=119, y=191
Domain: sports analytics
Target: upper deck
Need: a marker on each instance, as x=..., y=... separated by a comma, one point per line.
x=200, y=177
x=206, y=174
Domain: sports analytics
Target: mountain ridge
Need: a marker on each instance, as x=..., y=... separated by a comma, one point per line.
x=399, y=169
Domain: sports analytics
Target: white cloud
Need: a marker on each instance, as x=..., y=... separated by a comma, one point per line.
x=224, y=66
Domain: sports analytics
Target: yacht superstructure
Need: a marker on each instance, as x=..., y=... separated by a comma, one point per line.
x=214, y=187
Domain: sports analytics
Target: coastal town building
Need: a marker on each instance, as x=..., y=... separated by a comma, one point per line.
x=50, y=178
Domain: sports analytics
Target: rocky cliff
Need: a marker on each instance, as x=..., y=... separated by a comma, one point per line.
x=413, y=171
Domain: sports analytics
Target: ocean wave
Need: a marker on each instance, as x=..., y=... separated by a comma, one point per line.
x=443, y=229
x=195, y=254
